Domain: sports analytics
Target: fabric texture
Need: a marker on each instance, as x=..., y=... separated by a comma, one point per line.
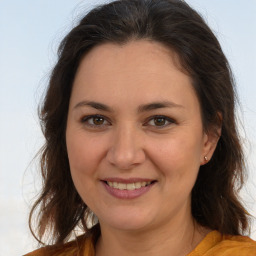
x=82, y=246
x=214, y=244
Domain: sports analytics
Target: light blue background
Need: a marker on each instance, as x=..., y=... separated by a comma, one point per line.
x=30, y=32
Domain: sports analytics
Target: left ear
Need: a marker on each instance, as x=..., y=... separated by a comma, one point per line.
x=210, y=141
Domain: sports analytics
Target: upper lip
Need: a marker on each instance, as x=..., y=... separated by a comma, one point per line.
x=128, y=180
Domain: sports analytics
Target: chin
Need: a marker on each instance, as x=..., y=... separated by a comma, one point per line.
x=127, y=222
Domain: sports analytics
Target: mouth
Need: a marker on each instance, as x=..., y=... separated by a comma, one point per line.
x=128, y=186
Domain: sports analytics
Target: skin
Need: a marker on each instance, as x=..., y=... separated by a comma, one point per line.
x=127, y=142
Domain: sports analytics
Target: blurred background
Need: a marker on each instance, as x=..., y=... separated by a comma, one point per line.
x=30, y=32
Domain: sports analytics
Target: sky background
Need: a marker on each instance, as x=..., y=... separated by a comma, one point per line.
x=30, y=32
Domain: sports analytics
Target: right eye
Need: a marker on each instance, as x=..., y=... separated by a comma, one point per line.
x=95, y=121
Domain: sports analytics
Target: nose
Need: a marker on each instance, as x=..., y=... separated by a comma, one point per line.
x=126, y=150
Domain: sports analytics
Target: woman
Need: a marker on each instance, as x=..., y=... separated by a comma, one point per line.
x=141, y=138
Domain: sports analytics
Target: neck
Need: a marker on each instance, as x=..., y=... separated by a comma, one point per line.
x=177, y=239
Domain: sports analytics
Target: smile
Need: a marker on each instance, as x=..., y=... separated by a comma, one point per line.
x=127, y=189
x=129, y=186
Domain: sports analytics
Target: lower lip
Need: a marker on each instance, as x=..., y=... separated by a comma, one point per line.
x=127, y=194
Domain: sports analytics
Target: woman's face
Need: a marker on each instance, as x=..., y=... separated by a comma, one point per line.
x=134, y=136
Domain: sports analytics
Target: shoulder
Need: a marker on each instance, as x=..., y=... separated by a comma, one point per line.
x=236, y=246
x=225, y=245
x=78, y=247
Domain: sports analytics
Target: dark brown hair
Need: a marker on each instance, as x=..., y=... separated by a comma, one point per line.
x=173, y=23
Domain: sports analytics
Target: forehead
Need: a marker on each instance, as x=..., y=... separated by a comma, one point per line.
x=139, y=70
x=144, y=55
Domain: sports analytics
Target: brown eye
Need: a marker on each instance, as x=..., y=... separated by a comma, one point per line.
x=95, y=121
x=98, y=120
x=159, y=121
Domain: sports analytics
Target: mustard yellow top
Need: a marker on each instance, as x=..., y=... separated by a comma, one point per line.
x=214, y=244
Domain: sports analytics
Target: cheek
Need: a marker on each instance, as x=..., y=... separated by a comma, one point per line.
x=177, y=157
x=83, y=153
x=83, y=160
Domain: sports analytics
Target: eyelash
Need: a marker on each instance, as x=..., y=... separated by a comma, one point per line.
x=85, y=120
x=165, y=118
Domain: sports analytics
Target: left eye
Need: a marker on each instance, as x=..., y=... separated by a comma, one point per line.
x=160, y=121
x=95, y=120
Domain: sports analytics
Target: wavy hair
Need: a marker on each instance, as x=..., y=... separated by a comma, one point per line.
x=173, y=23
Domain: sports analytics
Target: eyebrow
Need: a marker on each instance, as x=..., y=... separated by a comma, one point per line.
x=141, y=108
x=95, y=105
x=157, y=105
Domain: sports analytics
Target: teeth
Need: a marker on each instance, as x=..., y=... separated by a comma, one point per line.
x=137, y=185
x=121, y=186
x=129, y=186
